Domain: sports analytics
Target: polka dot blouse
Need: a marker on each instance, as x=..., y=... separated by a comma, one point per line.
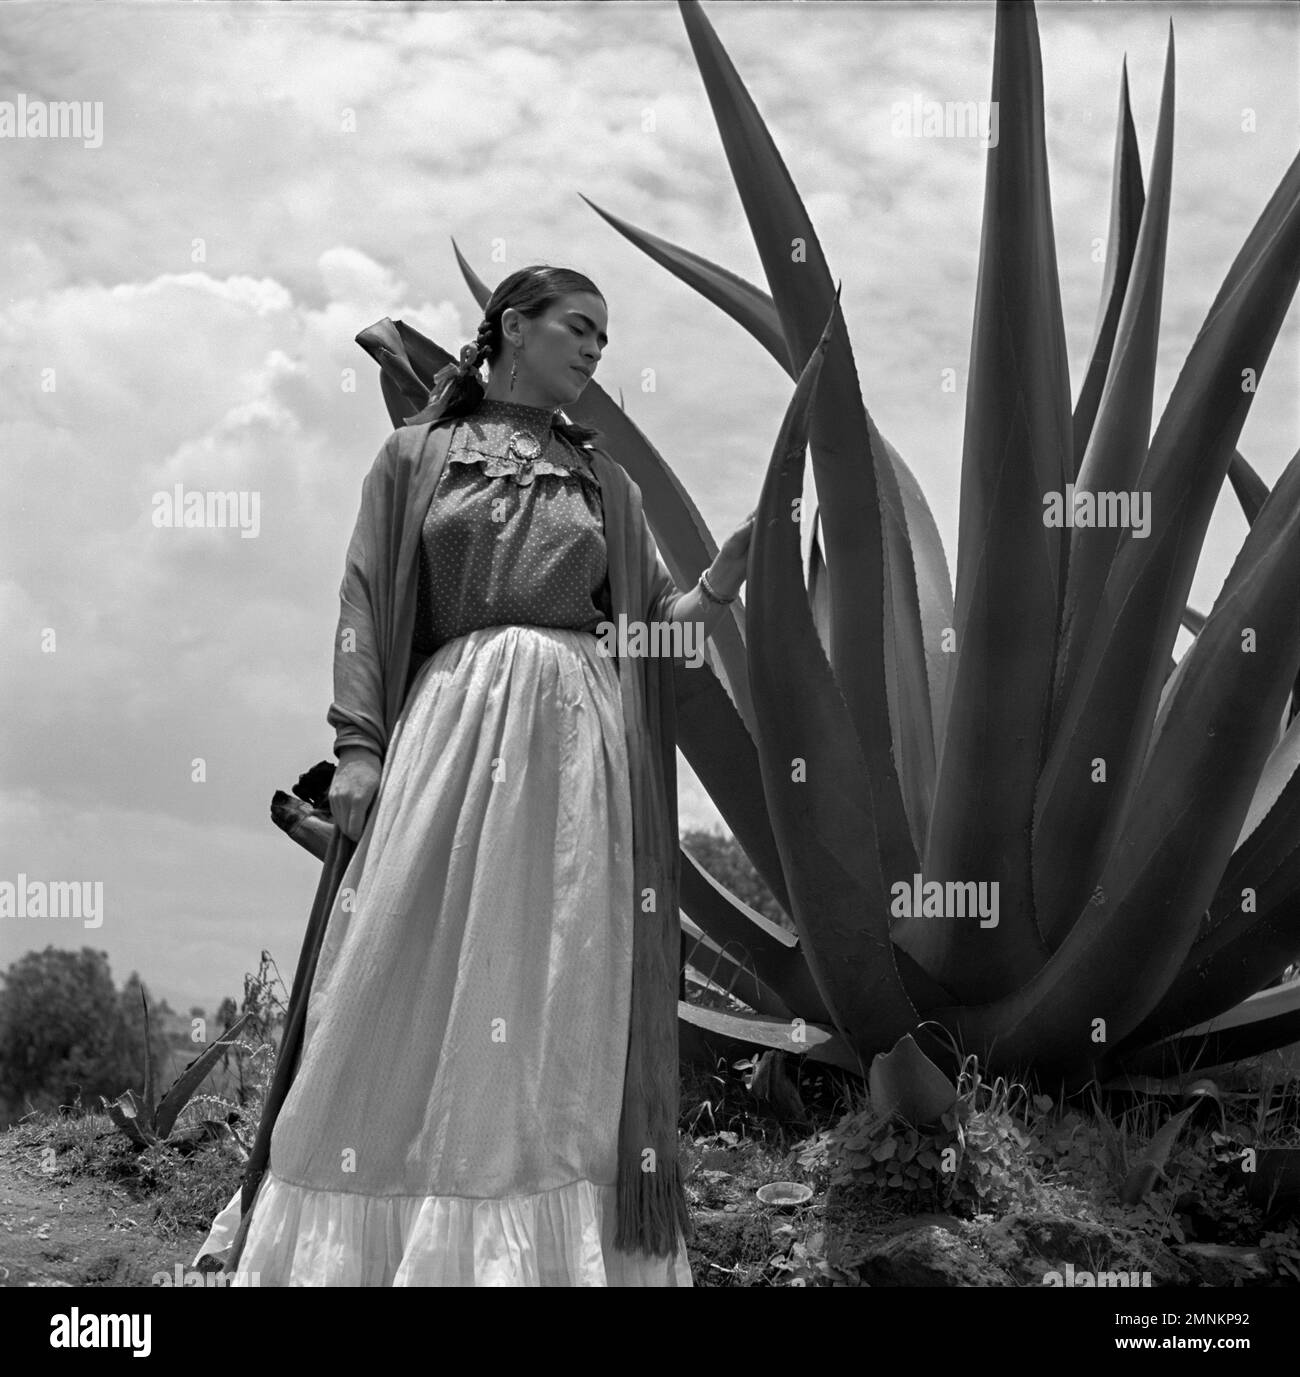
x=507, y=542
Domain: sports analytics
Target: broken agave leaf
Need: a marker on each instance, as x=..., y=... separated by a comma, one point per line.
x=905, y=1084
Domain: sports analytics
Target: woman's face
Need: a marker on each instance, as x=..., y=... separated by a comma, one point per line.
x=561, y=347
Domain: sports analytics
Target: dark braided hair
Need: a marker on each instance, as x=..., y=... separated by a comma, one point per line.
x=457, y=388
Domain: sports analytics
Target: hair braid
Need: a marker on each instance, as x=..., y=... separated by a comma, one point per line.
x=483, y=342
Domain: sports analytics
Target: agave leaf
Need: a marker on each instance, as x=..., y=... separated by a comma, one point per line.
x=1268, y=1019
x=723, y=756
x=809, y=520
x=814, y=776
x=1234, y=960
x=178, y=1094
x=1151, y=1164
x=1010, y=566
x=905, y=1084
x=1112, y=704
x=740, y=1032
x=1194, y=621
x=729, y=966
x=1279, y=773
x=819, y=592
x=1149, y=1087
x=741, y=300
x=760, y=945
x=1203, y=1089
x=911, y=534
x=906, y=678
x=1070, y=813
x=131, y=1116
x=149, y=1089
x=1186, y=816
x=1272, y=519
x=678, y=528
x=848, y=460
x=934, y=594
x=1167, y=689
x=1126, y=202
x=721, y=752
x=1252, y=492
x=1250, y=488
x=1239, y=948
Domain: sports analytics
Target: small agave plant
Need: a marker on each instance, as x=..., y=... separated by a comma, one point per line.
x=869, y=736
x=148, y=1122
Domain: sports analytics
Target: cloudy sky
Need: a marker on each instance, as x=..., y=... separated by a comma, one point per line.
x=178, y=305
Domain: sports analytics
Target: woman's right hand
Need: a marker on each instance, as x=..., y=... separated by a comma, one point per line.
x=353, y=788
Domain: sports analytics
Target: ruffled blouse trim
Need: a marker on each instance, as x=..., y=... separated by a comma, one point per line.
x=560, y=1237
x=499, y=466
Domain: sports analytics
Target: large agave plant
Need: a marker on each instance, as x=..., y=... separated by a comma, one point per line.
x=860, y=726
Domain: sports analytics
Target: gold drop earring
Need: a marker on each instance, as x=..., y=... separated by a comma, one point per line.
x=514, y=367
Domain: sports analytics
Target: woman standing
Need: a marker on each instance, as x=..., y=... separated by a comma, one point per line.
x=487, y=1090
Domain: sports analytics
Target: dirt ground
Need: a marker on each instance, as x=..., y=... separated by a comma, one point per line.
x=83, y=1232
x=67, y=1229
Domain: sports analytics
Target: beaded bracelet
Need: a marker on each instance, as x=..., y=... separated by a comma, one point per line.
x=709, y=592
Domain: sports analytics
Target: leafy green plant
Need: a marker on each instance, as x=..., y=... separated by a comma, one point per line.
x=1165, y=1176
x=1068, y=1145
x=954, y=734
x=1206, y=1181
x=1151, y=1161
x=147, y=1121
x=876, y=1150
x=802, y=1262
x=975, y=1156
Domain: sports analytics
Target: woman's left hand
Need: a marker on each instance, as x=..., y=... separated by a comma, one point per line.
x=733, y=558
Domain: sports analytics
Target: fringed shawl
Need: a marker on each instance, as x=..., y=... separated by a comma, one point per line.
x=373, y=670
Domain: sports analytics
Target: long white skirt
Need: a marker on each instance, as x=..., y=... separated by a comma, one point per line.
x=454, y=1117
